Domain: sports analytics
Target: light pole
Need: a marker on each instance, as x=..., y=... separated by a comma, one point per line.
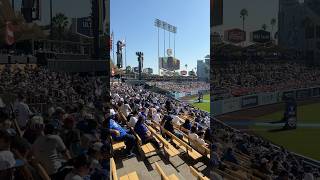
x=171, y=29
x=51, y=18
x=140, y=61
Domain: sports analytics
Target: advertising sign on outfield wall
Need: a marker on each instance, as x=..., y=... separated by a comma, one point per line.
x=289, y=94
x=249, y=101
x=304, y=93
x=260, y=36
x=234, y=35
x=315, y=92
x=268, y=98
x=231, y=104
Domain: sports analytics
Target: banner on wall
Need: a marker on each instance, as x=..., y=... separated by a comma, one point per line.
x=249, y=101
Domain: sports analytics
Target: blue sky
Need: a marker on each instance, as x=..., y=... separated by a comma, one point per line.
x=134, y=21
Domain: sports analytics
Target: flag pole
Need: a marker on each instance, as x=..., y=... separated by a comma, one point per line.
x=125, y=52
x=113, y=47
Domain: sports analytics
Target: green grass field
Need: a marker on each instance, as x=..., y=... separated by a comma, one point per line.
x=204, y=105
x=302, y=140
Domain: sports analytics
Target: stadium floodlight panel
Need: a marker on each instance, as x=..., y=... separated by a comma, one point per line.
x=158, y=23
x=165, y=26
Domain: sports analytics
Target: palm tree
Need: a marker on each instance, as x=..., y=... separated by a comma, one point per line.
x=243, y=15
x=273, y=23
x=307, y=24
x=59, y=24
x=264, y=27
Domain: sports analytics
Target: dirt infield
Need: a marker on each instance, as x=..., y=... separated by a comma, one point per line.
x=253, y=113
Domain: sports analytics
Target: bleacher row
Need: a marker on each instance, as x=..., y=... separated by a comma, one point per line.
x=168, y=149
x=182, y=146
x=258, y=160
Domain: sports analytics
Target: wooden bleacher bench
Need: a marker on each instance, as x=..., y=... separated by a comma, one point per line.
x=169, y=148
x=225, y=175
x=129, y=176
x=252, y=174
x=196, y=174
x=117, y=145
x=184, y=146
x=201, y=148
x=163, y=175
x=143, y=148
x=238, y=174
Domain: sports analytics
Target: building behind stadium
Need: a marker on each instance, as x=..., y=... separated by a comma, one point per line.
x=299, y=27
x=203, y=69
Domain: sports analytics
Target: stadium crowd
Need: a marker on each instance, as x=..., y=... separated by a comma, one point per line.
x=247, y=77
x=230, y=148
x=69, y=137
x=65, y=139
x=183, y=86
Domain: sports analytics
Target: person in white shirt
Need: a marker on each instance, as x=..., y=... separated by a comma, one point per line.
x=196, y=140
x=133, y=119
x=176, y=120
x=116, y=97
x=125, y=109
x=157, y=116
x=22, y=112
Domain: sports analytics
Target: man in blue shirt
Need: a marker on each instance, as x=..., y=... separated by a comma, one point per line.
x=118, y=133
x=144, y=133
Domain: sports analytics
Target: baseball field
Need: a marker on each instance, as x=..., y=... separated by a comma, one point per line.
x=303, y=140
x=204, y=105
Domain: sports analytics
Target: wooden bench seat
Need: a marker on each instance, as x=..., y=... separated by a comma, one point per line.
x=225, y=175
x=184, y=146
x=163, y=175
x=196, y=174
x=118, y=145
x=144, y=148
x=129, y=176
x=169, y=148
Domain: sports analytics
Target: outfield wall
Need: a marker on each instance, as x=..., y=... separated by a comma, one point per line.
x=224, y=106
x=178, y=95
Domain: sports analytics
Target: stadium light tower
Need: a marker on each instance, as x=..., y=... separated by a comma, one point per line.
x=140, y=61
x=171, y=29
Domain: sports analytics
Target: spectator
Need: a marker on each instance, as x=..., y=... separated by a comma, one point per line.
x=125, y=109
x=229, y=156
x=168, y=125
x=133, y=119
x=47, y=150
x=34, y=129
x=7, y=165
x=71, y=136
x=144, y=133
x=187, y=125
x=81, y=168
x=118, y=133
x=22, y=112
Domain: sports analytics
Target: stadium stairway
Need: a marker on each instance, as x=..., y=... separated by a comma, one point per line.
x=146, y=169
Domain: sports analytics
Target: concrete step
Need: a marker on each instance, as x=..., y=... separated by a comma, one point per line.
x=168, y=170
x=155, y=175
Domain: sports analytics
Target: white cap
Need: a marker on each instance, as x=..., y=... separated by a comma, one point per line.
x=36, y=120
x=112, y=112
x=7, y=161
